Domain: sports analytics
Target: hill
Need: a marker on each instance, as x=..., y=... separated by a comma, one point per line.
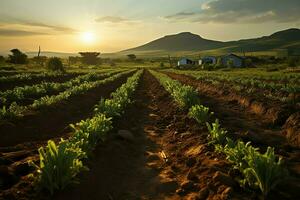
x=188, y=43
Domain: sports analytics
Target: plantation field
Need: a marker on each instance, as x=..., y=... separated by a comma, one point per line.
x=138, y=133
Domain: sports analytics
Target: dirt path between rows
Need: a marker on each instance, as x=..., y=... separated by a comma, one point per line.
x=244, y=124
x=134, y=168
x=53, y=122
x=156, y=152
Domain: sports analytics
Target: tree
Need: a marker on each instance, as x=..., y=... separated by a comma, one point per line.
x=17, y=57
x=2, y=59
x=131, y=57
x=89, y=58
x=55, y=64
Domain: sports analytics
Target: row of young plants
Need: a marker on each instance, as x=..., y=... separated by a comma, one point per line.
x=38, y=90
x=272, y=90
x=60, y=163
x=16, y=111
x=31, y=76
x=259, y=170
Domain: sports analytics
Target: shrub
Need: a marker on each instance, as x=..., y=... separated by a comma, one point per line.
x=200, y=113
x=2, y=59
x=55, y=64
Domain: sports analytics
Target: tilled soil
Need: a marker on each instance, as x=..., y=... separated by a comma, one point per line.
x=156, y=152
x=53, y=122
x=165, y=157
x=10, y=85
x=242, y=123
x=30, y=99
x=14, y=159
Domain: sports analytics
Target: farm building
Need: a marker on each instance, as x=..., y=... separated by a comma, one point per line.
x=208, y=60
x=185, y=61
x=232, y=60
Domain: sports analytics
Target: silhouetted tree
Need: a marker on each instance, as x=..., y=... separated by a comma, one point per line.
x=89, y=58
x=2, y=59
x=55, y=64
x=131, y=57
x=17, y=57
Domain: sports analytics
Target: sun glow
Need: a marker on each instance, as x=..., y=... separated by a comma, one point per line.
x=88, y=37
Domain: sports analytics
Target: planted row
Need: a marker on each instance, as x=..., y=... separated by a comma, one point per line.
x=262, y=171
x=15, y=111
x=29, y=76
x=250, y=84
x=60, y=163
x=38, y=90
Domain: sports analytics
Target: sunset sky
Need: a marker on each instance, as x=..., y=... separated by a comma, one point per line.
x=113, y=25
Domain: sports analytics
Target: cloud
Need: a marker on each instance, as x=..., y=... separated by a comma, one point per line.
x=22, y=27
x=52, y=27
x=180, y=15
x=244, y=11
x=112, y=19
x=14, y=33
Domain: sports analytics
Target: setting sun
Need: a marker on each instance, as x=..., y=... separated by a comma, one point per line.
x=88, y=37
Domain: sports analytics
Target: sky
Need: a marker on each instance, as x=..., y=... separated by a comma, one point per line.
x=114, y=25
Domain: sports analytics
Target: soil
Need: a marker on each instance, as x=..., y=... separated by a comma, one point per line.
x=273, y=111
x=30, y=99
x=53, y=122
x=161, y=154
x=11, y=85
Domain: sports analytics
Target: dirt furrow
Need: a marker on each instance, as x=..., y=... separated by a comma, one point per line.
x=161, y=156
x=244, y=124
x=53, y=122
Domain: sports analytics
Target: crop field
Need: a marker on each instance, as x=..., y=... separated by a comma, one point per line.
x=150, y=133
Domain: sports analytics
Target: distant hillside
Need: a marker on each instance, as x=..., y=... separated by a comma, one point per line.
x=187, y=42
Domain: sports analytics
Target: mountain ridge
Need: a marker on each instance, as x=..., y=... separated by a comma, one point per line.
x=186, y=41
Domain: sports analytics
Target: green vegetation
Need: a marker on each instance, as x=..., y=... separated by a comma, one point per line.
x=20, y=93
x=184, y=95
x=200, y=113
x=217, y=135
x=17, y=111
x=59, y=164
x=275, y=85
x=55, y=64
x=263, y=171
x=17, y=57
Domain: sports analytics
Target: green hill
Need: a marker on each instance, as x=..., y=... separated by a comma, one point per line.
x=189, y=43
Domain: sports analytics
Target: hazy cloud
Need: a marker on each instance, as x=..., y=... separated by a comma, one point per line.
x=30, y=27
x=14, y=33
x=52, y=27
x=112, y=19
x=244, y=11
x=180, y=15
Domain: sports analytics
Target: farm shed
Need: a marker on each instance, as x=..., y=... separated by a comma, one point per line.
x=185, y=61
x=232, y=60
x=208, y=60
